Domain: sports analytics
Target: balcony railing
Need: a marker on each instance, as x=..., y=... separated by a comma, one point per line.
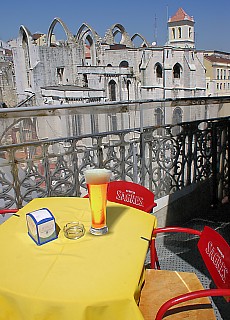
x=163, y=158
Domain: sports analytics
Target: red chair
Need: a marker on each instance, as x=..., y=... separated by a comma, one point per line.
x=130, y=194
x=165, y=289
x=4, y=211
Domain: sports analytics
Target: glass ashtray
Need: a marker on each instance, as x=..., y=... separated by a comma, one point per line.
x=74, y=230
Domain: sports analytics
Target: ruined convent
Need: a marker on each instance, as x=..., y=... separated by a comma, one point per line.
x=86, y=67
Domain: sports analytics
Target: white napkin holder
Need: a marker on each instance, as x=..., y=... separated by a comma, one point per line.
x=41, y=226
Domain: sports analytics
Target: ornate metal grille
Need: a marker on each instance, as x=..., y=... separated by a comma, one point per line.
x=163, y=163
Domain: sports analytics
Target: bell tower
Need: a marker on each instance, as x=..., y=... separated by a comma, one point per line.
x=181, y=30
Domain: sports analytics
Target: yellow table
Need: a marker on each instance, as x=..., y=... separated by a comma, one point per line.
x=94, y=277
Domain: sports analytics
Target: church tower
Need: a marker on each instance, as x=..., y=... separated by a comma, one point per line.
x=181, y=30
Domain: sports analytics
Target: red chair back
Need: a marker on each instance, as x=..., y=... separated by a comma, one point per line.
x=215, y=252
x=131, y=194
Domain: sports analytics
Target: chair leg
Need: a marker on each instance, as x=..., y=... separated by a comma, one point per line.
x=153, y=256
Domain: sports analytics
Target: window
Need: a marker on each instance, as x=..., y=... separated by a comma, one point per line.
x=179, y=32
x=173, y=33
x=177, y=116
x=190, y=32
x=85, y=80
x=113, y=121
x=94, y=123
x=158, y=70
x=218, y=74
x=176, y=71
x=60, y=72
x=159, y=119
x=128, y=88
x=124, y=64
x=112, y=90
x=224, y=74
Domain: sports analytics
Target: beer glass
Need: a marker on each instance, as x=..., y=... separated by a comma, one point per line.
x=97, y=183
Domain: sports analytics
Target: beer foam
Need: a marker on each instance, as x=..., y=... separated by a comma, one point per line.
x=97, y=176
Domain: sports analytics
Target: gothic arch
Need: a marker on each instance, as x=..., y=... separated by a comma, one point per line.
x=111, y=33
x=137, y=35
x=82, y=33
x=26, y=43
x=87, y=33
x=69, y=35
x=24, y=31
x=159, y=70
x=177, y=70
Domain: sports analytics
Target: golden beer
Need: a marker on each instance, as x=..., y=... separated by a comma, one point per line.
x=97, y=183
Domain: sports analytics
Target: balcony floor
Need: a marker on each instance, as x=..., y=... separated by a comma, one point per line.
x=179, y=252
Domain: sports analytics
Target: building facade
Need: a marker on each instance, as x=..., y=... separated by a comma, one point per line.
x=217, y=66
x=102, y=69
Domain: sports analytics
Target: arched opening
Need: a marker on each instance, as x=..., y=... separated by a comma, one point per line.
x=158, y=69
x=117, y=35
x=62, y=35
x=177, y=118
x=112, y=90
x=139, y=41
x=179, y=32
x=88, y=37
x=159, y=117
x=128, y=84
x=177, y=115
x=159, y=120
x=89, y=50
x=173, y=33
x=124, y=64
x=177, y=71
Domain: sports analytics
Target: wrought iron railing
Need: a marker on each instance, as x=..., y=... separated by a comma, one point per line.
x=157, y=158
x=163, y=158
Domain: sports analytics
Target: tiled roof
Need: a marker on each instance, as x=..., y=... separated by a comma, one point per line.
x=214, y=58
x=180, y=15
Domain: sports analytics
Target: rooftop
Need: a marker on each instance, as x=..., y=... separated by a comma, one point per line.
x=215, y=58
x=180, y=15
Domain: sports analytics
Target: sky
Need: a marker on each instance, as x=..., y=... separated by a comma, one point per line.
x=148, y=18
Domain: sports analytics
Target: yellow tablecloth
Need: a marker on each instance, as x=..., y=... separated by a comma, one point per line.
x=92, y=278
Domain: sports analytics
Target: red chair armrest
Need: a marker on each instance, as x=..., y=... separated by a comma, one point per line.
x=190, y=296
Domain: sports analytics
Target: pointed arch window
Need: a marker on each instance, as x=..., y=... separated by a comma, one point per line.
x=177, y=118
x=112, y=90
x=177, y=71
x=158, y=70
x=159, y=120
x=128, y=84
x=159, y=117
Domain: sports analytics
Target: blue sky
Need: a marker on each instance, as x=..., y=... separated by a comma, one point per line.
x=149, y=18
